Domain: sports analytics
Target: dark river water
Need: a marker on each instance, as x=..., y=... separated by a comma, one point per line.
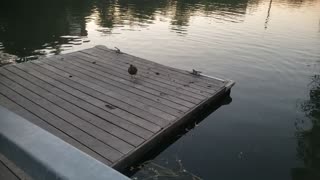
x=269, y=130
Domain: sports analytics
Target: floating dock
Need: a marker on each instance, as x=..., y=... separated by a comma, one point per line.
x=88, y=99
x=9, y=170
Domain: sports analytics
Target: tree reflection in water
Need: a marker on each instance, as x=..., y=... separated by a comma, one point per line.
x=43, y=27
x=308, y=149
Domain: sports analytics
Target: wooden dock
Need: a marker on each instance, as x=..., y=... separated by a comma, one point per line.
x=88, y=99
x=9, y=171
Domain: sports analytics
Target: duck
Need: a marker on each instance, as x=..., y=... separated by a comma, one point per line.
x=132, y=70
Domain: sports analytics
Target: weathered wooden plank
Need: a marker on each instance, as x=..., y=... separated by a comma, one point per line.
x=12, y=106
x=6, y=173
x=171, y=69
x=164, y=75
x=155, y=76
x=149, y=88
x=94, y=120
x=177, y=74
x=94, y=97
x=123, y=88
x=128, y=85
x=122, y=68
x=127, y=103
x=87, y=140
x=127, y=110
x=94, y=105
x=145, y=80
x=13, y=168
x=57, y=106
x=102, y=82
x=103, y=119
x=61, y=107
x=114, y=98
x=163, y=88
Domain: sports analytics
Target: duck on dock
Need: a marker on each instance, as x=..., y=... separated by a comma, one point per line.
x=132, y=70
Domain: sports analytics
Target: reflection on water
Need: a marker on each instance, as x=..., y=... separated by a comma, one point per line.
x=49, y=27
x=39, y=27
x=268, y=16
x=269, y=47
x=308, y=149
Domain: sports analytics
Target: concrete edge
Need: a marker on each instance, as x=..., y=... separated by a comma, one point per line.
x=45, y=156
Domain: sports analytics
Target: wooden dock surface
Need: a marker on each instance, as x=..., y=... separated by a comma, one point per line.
x=9, y=171
x=88, y=99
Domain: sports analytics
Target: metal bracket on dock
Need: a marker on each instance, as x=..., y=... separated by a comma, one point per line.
x=229, y=83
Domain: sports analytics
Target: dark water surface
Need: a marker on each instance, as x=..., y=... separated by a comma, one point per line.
x=270, y=130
